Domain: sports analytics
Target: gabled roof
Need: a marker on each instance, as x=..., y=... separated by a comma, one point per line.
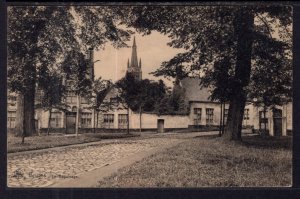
x=193, y=91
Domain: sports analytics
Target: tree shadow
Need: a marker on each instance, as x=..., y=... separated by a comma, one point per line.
x=268, y=142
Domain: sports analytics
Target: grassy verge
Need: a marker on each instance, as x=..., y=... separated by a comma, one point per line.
x=55, y=140
x=203, y=162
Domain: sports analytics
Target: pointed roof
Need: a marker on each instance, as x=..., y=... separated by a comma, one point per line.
x=134, y=44
x=140, y=64
x=134, y=59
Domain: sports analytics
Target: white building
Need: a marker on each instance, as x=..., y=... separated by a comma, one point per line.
x=202, y=112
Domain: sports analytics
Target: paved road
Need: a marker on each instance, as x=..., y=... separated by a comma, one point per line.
x=45, y=168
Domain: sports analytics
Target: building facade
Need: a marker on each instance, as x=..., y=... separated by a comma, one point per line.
x=11, y=109
x=202, y=112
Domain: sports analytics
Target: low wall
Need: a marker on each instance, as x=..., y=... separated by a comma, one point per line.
x=149, y=121
x=103, y=130
x=204, y=128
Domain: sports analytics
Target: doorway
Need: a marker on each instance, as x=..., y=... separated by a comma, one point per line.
x=160, y=125
x=277, y=119
x=70, y=122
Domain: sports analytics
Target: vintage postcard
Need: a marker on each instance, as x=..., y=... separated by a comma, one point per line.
x=143, y=96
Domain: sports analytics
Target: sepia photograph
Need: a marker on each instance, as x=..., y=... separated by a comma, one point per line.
x=149, y=96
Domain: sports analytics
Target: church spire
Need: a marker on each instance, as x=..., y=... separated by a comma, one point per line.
x=140, y=64
x=134, y=44
x=133, y=66
x=134, y=59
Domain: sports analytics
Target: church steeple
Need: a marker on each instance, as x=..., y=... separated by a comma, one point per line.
x=134, y=44
x=134, y=59
x=134, y=67
x=140, y=64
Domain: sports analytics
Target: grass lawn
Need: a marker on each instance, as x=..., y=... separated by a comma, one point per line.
x=203, y=162
x=53, y=140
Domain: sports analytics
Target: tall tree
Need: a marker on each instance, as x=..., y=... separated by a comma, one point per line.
x=42, y=35
x=211, y=33
x=23, y=50
x=130, y=95
x=52, y=88
x=100, y=89
x=177, y=98
x=140, y=95
x=144, y=93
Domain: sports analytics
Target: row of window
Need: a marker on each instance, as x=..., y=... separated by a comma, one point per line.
x=71, y=97
x=56, y=119
x=11, y=119
x=86, y=120
x=210, y=115
x=263, y=120
x=108, y=121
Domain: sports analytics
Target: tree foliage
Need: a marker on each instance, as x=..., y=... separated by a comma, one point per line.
x=249, y=38
x=130, y=91
x=50, y=84
x=52, y=93
x=151, y=96
x=41, y=36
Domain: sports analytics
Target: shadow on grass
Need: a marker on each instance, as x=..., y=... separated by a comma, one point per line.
x=257, y=141
x=208, y=136
x=263, y=142
x=113, y=135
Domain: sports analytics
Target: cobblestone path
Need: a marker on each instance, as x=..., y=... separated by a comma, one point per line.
x=41, y=169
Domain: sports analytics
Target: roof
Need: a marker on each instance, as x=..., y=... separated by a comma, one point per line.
x=193, y=91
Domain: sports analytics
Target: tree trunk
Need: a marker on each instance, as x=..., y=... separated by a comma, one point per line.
x=140, y=119
x=25, y=114
x=234, y=120
x=127, y=120
x=97, y=118
x=49, y=121
x=265, y=124
x=94, y=121
x=221, y=119
x=77, y=116
x=24, y=129
x=243, y=27
x=29, y=113
x=19, y=115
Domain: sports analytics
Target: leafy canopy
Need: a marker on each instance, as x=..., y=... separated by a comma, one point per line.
x=207, y=33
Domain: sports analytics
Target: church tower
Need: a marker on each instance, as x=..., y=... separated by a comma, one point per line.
x=134, y=67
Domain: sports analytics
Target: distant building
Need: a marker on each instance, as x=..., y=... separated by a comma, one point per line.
x=65, y=121
x=202, y=112
x=133, y=67
x=117, y=118
x=277, y=121
x=11, y=109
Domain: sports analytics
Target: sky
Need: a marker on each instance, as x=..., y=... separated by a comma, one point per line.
x=152, y=49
